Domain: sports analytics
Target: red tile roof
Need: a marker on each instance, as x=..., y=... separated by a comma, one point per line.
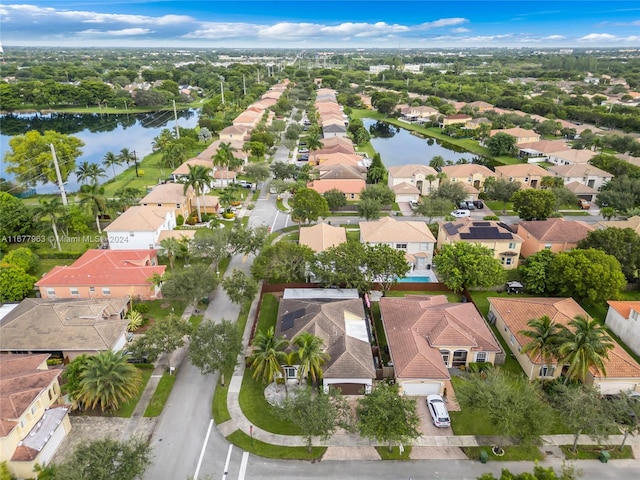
x=557, y=230
x=624, y=307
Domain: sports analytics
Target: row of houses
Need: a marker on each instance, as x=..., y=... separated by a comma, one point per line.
x=331, y=118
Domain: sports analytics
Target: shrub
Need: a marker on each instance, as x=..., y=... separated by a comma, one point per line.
x=140, y=172
x=476, y=367
x=135, y=320
x=180, y=220
x=491, y=217
x=141, y=307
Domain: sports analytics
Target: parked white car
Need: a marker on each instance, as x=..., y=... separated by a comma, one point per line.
x=438, y=411
x=460, y=213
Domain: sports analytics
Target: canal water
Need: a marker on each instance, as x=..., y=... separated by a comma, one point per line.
x=398, y=146
x=101, y=133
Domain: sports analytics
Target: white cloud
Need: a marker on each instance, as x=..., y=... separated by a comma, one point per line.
x=598, y=37
x=125, y=32
x=212, y=30
x=460, y=30
x=443, y=22
x=554, y=37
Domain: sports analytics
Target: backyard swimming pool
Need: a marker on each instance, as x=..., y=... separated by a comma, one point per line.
x=416, y=279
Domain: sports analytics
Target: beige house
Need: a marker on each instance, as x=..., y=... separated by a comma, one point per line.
x=427, y=335
x=496, y=236
x=522, y=135
x=139, y=228
x=529, y=175
x=555, y=234
x=538, y=151
x=582, y=191
x=457, y=119
x=583, y=173
x=67, y=326
x=414, y=238
x=351, y=187
x=480, y=106
x=511, y=315
x=632, y=222
x=235, y=133
x=468, y=173
x=321, y=236
x=623, y=318
x=171, y=195
x=567, y=157
x=415, y=175
x=405, y=192
x=33, y=424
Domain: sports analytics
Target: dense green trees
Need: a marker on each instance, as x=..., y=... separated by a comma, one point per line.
x=15, y=218
x=463, y=264
x=534, y=204
x=214, y=347
x=501, y=190
x=335, y=199
x=308, y=205
x=282, y=262
x=623, y=244
x=502, y=144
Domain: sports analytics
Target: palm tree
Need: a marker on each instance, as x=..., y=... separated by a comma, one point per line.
x=311, y=356
x=93, y=197
x=112, y=160
x=127, y=157
x=108, y=380
x=198, y=178
x=163, y=140
x=430, y=178
x=585, y=346
x=545, y=335
x=224, y=158
x=437, y=162
x=83, y=172
x=268, y=356
x=171, y=247
x=174, y=155
x=52, y=210
x=314, y=142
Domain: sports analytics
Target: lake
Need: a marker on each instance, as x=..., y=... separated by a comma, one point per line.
x=101, y=133
x=398, y=146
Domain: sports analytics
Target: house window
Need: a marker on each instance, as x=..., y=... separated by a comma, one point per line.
x=547, y=370
x=459, y=358
x=512, y=339
x=481, y=356
x=74, y=291
x=92, y=290
x=33, y=410
x=106, y=291
x=445, y=356
x=353, y=196
x=290, y=372
x=511, y=179
x=401, y=246
x=507, y=260
x=526, y=179
x=177, y=205
x=547, y=246
x=51, y=292
x=512, y=245
x=50, y=394
x=633, y=314
x=159, y=204
x=424, y=247
x=470, y=179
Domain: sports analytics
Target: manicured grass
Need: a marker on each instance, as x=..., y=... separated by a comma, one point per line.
x=156, y=309
x=255, y=196
x=592, y=452
x=382, y=336
x=126, y=410
x=394, y=454
x=280, y=206
x=291, y=237
x=353, y=235
x=268, y=312
x=195, y=321
x=576, y=213
x=46, y=264
x=160, y=396
x=219, y=407
x=498, y=207
x=244, y=441
x=511, y=454
x=259, y=411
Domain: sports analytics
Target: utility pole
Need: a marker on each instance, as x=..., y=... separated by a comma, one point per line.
x=135, y=162
x=58, y=175
x=244, y=85
x=175, y=115
x=222, y=88
x=258, y=74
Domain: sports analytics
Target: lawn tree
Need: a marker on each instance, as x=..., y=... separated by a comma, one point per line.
x=282, y=262
x=246, y=240
x=22, y=257
x=268, y=356
x=462, y=265
x=240, y=287
x=214, y=347
x=71, y=377
x=511, y=403
x=376, y=171
x=51, y=211
x=199, y=179
x=386, y=416
x=31, y=159
x=534, y=204
x=582, y=411
x=257, y=172
x=385, y=264
x=170, y=248
x=189, y=285
x=502, y=144
x=257, y=149
x=212, y=244
x=166, y=335
x=310, y=356
x=625, y=411
x=283, y=171
x=501, y=190
x=342, y=266
x=551, y=182
x=379, y=192
x=622, y=243
x=608, y=213
x=452, y=191
x=104, y=459
x=15, y=218
x=335, y=199
x=308, y=205
x=15, y=283
x=434, y=207
x=437, y=162
x=587, y=275
x=369, y=209
x=535, y=272
x=564, y=198
x=568, y=472
x=544, y=335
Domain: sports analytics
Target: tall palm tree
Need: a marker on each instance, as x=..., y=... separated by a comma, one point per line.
x=174, y=154
x=314, y=142
x=437, y=162
x=127, y=157
x=112, y=160
x=171, y=247
x=52, y=210
x=96, y=172
x=268, y=355
x=83, y=172
x=430, y=178
x=311, y=356
x=108, y=380
x=224, y=158
x=92, y=196
x=545, y=335
x=163, y=140
x=198, y=178
x=586, y=345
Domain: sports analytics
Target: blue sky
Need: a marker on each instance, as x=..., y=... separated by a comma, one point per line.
x=321, y=24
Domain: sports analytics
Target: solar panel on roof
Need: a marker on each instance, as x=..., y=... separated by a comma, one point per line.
x=289, y=318
x=485, y=233
x=450, y=228
x=505, y=226
x=481, y=224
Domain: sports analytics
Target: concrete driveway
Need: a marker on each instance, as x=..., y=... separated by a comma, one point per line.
x=427, y=428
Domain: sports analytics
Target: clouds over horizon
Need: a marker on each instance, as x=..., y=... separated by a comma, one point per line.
x=38, y=25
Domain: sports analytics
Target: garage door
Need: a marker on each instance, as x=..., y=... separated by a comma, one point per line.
x=406, y=198
x=616, y=387
x=420, y=389
x=349, y=388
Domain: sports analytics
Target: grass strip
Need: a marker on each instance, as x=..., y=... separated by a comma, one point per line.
x=160, y=396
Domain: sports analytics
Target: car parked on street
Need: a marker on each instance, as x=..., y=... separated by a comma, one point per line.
x=583, y=204
x=460, y=213
x=438, y=411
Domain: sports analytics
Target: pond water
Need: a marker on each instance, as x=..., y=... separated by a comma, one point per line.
x=101, y=133
x=398, y=146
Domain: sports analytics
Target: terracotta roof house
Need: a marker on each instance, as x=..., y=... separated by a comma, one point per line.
x=469, y=173
x=413, y=174
x=480, y=106
x=405, y=192
x=566, y=157
x=350, y=187
x=139, y=228
x=522, y=135
x=511, y=315
x=33, y=424
x=315, y=156
x=337, y=158
x=632, y=222
x=183, y=169
x=342, y=325
x=529, y=175
x=334, y=141
x=69, y=326
x=321, y=236
x=457, y=119
x=413, y=237
x=171, y=195
x=476, y=122
x=582, y=191
x=427, y=335
x=538, y=151
x=623, y=318
x=496, y=236
x=555, y=234
x=583, y=173
x=334, y=130
x=340, y=171
x=236, y=146
x=249, y=118
x=235, y=132
x=105, y=273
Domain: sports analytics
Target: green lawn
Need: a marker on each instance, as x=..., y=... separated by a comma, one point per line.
x=162, y=308
x=268, y=312
x=46, y=265
x=592, y=452
x=511, y=454
x=160, y=396
x=498, y=207
x=382, y=336
x=394, y=454
x=353, y=235
x=244, y=441
x=219, y=408
x=126, y=410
